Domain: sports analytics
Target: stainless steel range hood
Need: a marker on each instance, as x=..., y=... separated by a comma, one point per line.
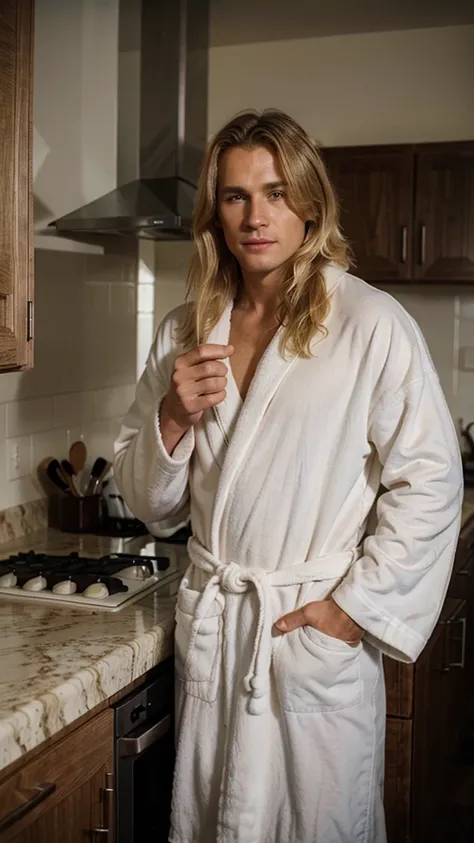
x=171, y=125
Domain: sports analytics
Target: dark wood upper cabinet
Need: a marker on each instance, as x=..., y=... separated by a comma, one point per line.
x=16, y=198
x=407, y=211
x=444, y=201
x=375, y=192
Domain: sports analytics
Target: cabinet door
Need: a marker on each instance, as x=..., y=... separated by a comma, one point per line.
x=399, y=681
x=444, y=227
x=397, y=790
x=76, y=777
x=462, y=588
x=16, y=275
x=438, y=694
x=374, y=186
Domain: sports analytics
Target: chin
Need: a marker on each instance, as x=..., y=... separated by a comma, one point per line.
x=259, y=264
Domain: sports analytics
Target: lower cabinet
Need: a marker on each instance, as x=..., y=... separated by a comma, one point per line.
x=429, y=706
x=65, y=794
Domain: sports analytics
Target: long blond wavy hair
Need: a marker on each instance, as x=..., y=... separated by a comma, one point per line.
x=214, y=274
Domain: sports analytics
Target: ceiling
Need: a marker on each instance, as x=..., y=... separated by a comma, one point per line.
x=249, y=21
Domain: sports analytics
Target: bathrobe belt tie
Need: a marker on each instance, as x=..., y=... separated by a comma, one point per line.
x=234, y=579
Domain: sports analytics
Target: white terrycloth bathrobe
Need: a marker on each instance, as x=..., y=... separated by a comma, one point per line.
x=280, y=738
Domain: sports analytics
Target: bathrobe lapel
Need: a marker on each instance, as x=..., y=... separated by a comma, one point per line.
x=235, y=423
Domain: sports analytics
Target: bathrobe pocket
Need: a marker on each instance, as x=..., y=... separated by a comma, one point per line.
x=198, y=644
x=316, y=672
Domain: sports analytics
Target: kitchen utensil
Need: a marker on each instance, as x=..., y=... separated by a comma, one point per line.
x=51, y=467
x=77, y=456
x=116, y=506
x=68, y=473
x=98, y=471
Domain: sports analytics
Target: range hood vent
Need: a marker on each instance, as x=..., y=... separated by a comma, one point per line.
x=172, y=38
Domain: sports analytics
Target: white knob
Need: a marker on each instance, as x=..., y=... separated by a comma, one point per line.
x=97, y=590
x=35, y=584
x=8, y=580
x=65, y=587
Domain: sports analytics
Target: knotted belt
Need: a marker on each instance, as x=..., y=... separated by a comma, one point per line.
x=232, y=578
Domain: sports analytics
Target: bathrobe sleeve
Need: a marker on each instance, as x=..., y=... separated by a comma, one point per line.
x=154, y=484
x=396, y=589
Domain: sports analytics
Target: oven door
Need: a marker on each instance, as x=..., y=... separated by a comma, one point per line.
x=144, y=782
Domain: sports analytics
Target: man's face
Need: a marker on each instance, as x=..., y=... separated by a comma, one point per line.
x=259, y=227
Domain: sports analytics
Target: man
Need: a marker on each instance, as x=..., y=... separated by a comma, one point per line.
x=273, y=410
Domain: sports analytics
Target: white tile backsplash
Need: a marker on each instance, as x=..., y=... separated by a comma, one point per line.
x=29, y=416
x=50, y=443
x=99, y=437
x=67, y=409
x=84, y=377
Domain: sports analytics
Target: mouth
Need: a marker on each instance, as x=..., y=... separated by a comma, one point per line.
x=257, y=245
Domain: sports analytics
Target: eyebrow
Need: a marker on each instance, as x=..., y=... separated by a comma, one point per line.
x=270, y=185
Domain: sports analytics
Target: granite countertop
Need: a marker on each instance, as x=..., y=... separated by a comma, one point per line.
x=57, y=664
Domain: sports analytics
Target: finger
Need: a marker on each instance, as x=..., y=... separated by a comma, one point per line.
x=193, y=389
x=204, y=402
x=292, y=621
x=208, y=351
x=209, y=369
x=189, y=381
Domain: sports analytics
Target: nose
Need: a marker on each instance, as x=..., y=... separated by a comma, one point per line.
x=256, y=215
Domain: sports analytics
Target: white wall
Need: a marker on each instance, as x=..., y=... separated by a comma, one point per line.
x=391, y=87
x=85, y=321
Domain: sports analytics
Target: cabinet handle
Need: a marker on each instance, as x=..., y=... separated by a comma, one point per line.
x=461, y=663
x=41, y=792
x=422, y=244
x=29, y=320
x=108, y=804
x=404, y=249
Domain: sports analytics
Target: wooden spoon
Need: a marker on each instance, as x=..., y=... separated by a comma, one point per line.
x=50, y=466
x=77, y=456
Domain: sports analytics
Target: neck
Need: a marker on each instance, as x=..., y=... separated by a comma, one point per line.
x=259, y=294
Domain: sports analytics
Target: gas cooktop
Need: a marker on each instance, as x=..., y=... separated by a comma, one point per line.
x=107, y=582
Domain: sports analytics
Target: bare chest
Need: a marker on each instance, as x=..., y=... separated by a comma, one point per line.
x=250, y=341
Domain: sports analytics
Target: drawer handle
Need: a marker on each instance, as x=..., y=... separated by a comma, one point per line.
x=41, y=792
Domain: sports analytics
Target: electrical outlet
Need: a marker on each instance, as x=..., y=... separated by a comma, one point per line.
x=19, y=457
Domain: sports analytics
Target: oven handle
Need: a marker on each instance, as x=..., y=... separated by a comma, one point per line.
x=135, y=746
